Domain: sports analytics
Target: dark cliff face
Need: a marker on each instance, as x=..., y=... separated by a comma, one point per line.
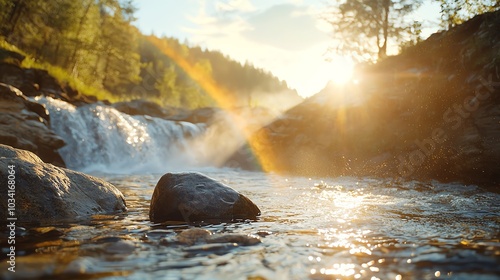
x=432, y=112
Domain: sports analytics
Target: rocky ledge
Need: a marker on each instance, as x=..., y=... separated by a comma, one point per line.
x=45, y=193
x=25, y=125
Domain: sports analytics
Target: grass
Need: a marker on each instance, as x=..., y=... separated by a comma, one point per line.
x=61, y=75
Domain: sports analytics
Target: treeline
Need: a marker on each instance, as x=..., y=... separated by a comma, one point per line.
x=163, y=76
x=95, y=42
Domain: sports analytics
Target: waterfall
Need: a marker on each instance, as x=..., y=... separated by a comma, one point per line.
x=101, y=139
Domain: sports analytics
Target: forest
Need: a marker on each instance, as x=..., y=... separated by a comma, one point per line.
x=95, y=44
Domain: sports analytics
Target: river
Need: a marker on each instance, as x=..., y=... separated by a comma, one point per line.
x=310, y=228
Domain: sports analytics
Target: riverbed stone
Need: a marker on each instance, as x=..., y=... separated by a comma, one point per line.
x=194, y=197
x=45, y=193
x=202, y=236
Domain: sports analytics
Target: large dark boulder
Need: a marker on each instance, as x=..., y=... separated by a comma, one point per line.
x=45, y=193
x=194, y=197
x=25, y=125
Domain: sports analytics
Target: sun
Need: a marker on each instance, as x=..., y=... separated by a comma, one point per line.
x=341, y=70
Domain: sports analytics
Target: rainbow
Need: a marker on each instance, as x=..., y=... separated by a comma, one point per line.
x=259, y=143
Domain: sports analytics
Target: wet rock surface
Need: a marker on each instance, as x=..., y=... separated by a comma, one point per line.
x=194, y=197
x=198, y=235
x=25, y=125
x=46, y=194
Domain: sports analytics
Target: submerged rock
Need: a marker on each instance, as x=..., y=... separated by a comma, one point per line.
x=194, y=197
x=193, y=235
x=202, y=236
x=46, y=193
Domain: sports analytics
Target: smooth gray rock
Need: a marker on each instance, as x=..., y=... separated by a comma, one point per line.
x=45, y=193
x=194, y=197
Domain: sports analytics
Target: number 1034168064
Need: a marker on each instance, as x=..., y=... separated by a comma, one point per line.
x=11, y=217
x=11, y=193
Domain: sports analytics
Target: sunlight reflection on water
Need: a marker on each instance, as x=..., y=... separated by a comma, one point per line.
x=343, y=228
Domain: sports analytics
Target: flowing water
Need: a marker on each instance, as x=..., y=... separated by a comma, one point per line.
x=99, y=137
x=343, y=228
x=310, y=228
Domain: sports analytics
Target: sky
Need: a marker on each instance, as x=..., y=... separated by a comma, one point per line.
x=285, y=37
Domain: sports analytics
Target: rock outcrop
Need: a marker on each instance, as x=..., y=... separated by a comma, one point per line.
x=432, y=112
x=36, y=82
x=194, y=197
x=45, y=193
x=144, y=107
x=25, y=125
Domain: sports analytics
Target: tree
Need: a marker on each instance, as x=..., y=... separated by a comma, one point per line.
x=454, y=12
x=118, y=47
x=365, y=28
x=168, y=88
x=10, y=13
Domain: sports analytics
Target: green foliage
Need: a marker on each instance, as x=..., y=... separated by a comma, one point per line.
x=92, y=40
x=169, y=83
x=93, y=46
x=60, y=74
x=415, y=36
x=362, y=24
x=454, y=12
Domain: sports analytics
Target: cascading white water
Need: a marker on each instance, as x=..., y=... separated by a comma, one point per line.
x=100, y=138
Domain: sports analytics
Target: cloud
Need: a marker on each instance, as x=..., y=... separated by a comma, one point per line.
x=286, y=27
x=234, y=6
x=284, y=39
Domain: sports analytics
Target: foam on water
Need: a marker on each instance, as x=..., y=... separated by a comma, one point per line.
x=100, y=138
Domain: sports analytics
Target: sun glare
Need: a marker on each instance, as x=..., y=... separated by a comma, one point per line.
x=341, y=70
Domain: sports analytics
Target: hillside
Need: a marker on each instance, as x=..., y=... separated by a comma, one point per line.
x=94, y=43
x=177, y=75
x=432, y=112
